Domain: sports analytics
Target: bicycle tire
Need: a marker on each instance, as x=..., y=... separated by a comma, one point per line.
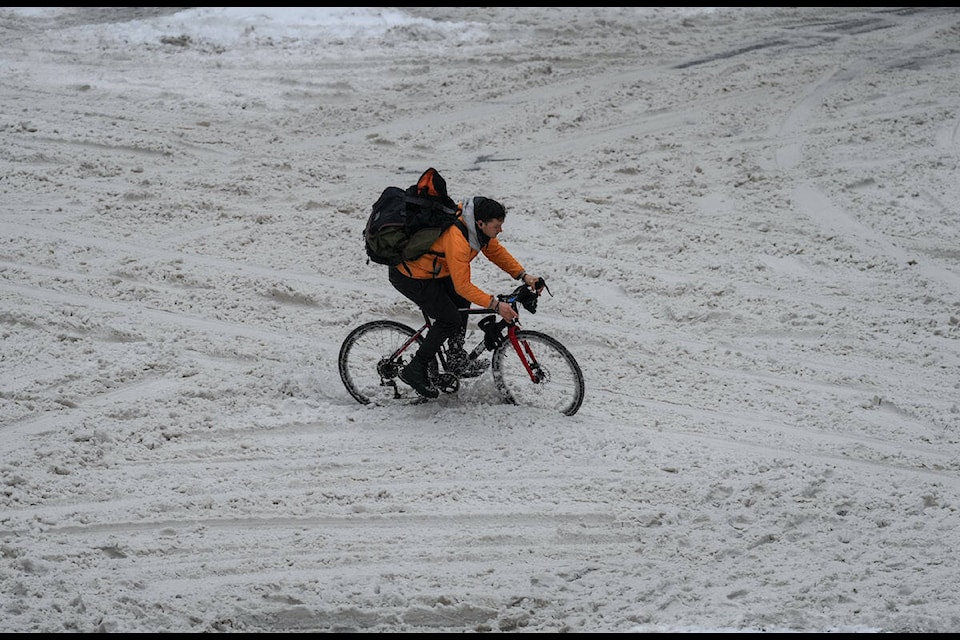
x=363, y=365
x=561, y=386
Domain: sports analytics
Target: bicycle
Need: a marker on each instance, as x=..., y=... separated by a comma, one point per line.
x=529, y=367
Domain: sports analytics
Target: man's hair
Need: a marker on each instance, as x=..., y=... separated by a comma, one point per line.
x=486, y=209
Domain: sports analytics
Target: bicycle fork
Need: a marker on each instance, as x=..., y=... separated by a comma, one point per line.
x=494, y=339
x=525, y=353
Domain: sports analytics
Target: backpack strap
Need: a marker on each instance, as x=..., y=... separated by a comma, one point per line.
x=439, y=254
x=429, y=203
x=463, y=229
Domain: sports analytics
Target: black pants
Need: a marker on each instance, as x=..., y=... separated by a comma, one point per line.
x=439, y=300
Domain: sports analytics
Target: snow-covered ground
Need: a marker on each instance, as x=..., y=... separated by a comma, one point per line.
x=748, y=219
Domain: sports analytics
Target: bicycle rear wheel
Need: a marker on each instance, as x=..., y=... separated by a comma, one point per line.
x=559, y=382
x=366, y=369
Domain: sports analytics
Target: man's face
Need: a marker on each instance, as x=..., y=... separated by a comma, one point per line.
x=491, y=228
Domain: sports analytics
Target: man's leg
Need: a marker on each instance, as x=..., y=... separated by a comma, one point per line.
x=458, y=361
x=432, y=297
x=457, y=337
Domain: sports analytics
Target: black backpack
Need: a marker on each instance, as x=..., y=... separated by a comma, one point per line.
x=404, y=223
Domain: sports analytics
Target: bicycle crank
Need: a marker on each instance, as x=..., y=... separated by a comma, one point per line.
x=448, y=382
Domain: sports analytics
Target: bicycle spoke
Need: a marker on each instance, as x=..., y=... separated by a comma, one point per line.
x=557, y=381
x=365, y=368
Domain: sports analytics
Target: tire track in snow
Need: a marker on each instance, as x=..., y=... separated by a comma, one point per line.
x=754, y=430
x=139, y=391
x=813, y=203
x=115, y=247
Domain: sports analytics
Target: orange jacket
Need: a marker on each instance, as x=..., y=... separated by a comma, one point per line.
x=455, y=262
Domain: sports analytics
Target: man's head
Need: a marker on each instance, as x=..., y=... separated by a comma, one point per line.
x=489, y=215
x=486, y=209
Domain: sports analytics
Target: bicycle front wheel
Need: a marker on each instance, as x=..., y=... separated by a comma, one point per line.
x=555, y=380
x=367, y=368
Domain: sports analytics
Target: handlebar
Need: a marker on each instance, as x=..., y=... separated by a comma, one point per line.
x=526, y=296
x=493, y=328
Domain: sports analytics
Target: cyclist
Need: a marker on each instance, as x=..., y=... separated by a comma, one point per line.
x=439, y=283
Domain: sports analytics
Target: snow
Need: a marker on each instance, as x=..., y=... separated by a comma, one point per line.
x=748, y=219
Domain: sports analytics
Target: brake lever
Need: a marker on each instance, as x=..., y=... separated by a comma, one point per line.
x=541, y=284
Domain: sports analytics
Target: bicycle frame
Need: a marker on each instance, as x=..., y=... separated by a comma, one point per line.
x=524, y=352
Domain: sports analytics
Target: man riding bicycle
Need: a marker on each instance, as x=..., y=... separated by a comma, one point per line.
x=439, y=283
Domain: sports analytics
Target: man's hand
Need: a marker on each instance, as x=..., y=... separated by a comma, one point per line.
x=531, y=281
x=506, y=312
